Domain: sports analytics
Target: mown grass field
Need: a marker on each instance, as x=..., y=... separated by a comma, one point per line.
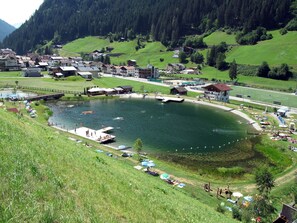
x=217, y=37
x=280, y=49
x=45, y=177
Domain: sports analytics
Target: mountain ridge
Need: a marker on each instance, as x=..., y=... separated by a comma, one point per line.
x=166, y=21
x=5, y=29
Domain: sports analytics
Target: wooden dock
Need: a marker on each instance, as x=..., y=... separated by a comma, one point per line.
x=46, y=97
x=169, y=99
x=96, y=135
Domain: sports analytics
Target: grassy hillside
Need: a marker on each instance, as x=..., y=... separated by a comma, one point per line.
x=45, y=177
x=217, y=37
x=123, y=51
x=280, y=49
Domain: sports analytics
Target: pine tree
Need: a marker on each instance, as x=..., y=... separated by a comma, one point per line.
x=233, y=70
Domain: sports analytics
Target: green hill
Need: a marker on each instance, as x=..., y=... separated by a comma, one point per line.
x=123, y=51
x=280, y=49
x=45, y=177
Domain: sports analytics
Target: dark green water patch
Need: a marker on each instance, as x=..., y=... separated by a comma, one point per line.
x=186, y=133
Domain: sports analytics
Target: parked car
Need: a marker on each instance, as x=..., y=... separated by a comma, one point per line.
x=126, y=155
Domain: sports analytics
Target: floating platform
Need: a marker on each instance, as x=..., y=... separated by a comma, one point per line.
x=169, y=99
x=96, y=135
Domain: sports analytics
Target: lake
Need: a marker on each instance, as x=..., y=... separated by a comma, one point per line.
x=181, y=128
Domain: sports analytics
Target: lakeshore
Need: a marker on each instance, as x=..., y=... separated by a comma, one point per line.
x=225, y=108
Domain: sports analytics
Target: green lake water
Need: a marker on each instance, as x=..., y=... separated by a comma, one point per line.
x=181, y=128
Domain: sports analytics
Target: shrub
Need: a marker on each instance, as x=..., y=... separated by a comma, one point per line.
x=232, y=171
x=236, y=214
x=283, y=31
x=220, y=208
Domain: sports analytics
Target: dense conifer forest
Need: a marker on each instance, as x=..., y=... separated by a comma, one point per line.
x=164, y=20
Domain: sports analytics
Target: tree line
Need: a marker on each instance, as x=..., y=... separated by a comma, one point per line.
x=166, y=21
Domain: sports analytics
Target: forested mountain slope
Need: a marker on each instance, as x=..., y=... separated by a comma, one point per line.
x=165, y=20
x=5, y=29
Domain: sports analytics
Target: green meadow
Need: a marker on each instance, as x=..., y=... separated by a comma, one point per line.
x=217, y=37
x=280, y=49
x=153, y=53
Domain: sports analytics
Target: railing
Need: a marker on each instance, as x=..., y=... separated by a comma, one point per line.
x=41, y=89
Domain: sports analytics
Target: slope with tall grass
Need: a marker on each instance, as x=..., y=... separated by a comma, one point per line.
x=45, y=177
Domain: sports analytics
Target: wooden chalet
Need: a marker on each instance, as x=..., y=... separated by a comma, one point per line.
x=219, y=92
x=178, y=90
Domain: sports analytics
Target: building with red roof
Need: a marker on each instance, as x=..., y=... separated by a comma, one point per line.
x=219, y=92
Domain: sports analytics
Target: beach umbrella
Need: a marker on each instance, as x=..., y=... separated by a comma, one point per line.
x=164, y=176
x=237, y=194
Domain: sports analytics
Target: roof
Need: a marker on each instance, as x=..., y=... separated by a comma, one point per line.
x=217, y=87
x=180, y=89
x=84, y=73
x=87, y=68
x=43, y=64
x=68, y=68
x=127, y=87
x=96, y=89
x=289, y=212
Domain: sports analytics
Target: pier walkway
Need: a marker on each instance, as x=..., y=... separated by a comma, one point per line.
x=96, y=135
x=168, y=99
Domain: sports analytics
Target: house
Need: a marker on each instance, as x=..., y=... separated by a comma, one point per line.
x=189, y=71
x=9, y=63
x=282, y=111
x=148, y=72
x=126, y=89
x=67, y=71
x=219, y=92
x=7, y=51
x=131, y=71
x=43, y=66
x=178, y=90
x=132, y=63
x=175, y=68
x=32, y=72
x=85, y=75
x=106, y=68
x=94, y=70
x=287, y=215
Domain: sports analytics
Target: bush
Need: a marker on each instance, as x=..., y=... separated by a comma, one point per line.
x=236, y=214
x=232, y=171
x=220, y=208
x=283, y=31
